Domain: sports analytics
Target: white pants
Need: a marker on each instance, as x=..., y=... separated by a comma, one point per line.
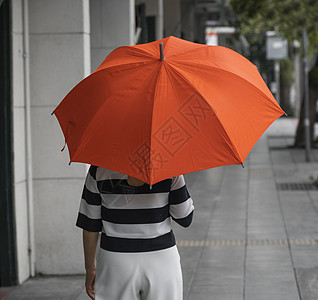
x=154, y=275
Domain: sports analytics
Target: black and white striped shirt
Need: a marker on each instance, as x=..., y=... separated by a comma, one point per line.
x=133, y=219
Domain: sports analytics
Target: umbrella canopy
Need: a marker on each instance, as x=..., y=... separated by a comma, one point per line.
x=196, y=108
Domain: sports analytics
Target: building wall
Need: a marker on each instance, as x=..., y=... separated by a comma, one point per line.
x=155, y=8
x=65, y=38
x=59, y=59
x=112, y=25
x=18, y=104
x=172, y=18
x=188, y=27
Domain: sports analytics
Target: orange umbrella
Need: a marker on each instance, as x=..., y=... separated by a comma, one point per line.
x=155, y=114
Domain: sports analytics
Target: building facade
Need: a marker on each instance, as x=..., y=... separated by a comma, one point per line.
x=47, y=47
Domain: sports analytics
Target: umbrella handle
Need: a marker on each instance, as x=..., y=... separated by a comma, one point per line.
x=162, y=56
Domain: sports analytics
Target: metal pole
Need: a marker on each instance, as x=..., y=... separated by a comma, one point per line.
x=306, y=98
x=297, y=72
x=277, y=80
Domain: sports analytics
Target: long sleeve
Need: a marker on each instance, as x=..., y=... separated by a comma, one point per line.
x=89, y=215
x=181, y=204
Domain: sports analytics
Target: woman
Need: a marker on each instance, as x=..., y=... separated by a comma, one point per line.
x=138, y=258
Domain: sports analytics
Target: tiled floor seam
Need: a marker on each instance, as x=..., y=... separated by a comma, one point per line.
x=233, y=243
x=246, y=230
x=285, y=225
x=188, y=292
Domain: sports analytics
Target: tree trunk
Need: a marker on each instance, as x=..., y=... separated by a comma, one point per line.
x=284, y=98
x=313, y=96
x=300, y=133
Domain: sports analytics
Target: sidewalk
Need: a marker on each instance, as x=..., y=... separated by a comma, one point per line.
x=261, y=239
x=254, y=235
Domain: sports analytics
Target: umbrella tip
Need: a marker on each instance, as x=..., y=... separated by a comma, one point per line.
x=162, y=56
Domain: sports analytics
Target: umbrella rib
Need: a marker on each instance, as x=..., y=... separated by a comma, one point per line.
x=234, y=74
x=88, y=128
x=133, y=64
x=135, y=47
x=151, y=124
x=228, y=141
x=187, y=51
x=123, y=48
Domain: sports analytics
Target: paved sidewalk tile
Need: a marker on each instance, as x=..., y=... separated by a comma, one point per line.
x=308, y=282
x=250, y=239
x=269, y=274
x=48, y=288
x=83, y=296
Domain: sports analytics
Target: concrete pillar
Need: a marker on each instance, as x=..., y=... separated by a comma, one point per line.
x=155, y=8
x=59, y=59
x=112, y=25
x=172, y=18
x=160, y=20
x=19, y=144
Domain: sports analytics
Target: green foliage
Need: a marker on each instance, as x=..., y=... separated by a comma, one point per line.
x=288, y=17
x=258, y=53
